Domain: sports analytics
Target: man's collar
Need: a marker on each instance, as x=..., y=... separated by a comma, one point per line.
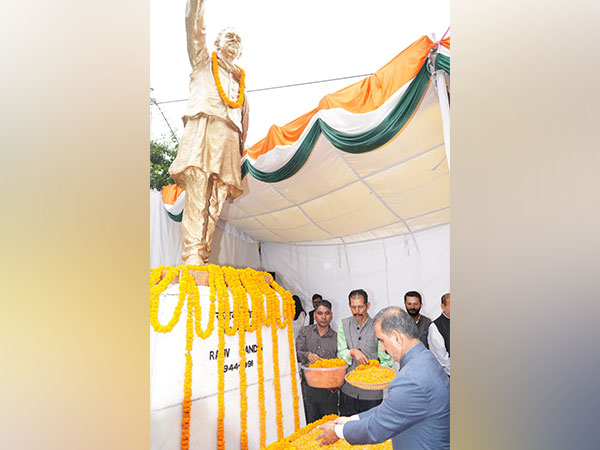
x=328, y=332
x=411, y=353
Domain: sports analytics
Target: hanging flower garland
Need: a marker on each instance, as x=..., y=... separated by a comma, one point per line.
x=232, y=318
x=273, y=315
x=195, y=296
x=291, y=311
x=258, y=317
x=155, y=292
x=222, y=94
x=241, y=301
x=187, y=382
x=221, y=294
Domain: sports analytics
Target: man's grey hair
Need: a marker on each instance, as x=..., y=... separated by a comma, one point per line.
x=394, y=318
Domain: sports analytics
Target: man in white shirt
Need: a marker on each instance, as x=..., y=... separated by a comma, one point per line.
x=439, y=335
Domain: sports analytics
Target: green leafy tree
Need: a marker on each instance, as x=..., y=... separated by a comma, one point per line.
x=162, y=154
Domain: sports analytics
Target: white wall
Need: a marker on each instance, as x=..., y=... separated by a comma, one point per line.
x=384, y=268
x=230, y=247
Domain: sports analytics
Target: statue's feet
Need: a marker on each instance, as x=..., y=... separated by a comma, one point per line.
x=194, y=260
x=203, y=255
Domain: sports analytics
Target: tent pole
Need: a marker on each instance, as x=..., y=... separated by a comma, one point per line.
x=445, y=110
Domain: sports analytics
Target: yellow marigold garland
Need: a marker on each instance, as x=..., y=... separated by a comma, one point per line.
x=241, y=301
x=155, y=292
x=187, y=383
x=258, y=317
x=220, y=361
x=155, y=274
x=195, y=297
x=273, y=315
x=222, y=94
x=289, y=315
x=232, y=319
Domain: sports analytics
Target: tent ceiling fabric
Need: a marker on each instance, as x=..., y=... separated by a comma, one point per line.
x=402, y=187
x=322, y=183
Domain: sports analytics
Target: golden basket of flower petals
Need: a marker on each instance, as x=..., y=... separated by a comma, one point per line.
x=371, y=376
x=306, y=439
x=325, y=373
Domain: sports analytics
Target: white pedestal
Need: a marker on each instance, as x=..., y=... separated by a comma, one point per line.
x=167, y=360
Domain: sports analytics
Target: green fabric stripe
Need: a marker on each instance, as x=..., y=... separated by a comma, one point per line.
x=442, y=62
x=389, y=127
x=176, y=217
x=295, y=163
x=359, y=143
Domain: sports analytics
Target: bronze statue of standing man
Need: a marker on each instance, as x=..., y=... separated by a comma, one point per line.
x=207, y=165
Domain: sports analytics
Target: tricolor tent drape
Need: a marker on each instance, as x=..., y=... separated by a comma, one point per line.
x=367, y=162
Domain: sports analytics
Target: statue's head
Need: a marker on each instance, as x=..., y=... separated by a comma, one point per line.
x=229, y=44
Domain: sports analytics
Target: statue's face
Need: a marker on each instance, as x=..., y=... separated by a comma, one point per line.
x=229, y=45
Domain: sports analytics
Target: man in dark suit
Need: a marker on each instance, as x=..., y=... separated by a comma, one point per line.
x=416, y=412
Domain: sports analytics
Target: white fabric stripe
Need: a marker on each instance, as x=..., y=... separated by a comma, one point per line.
x=353, y=123
x=444, y=51
x=176, y=207
x=338, y=119
x=444, y=109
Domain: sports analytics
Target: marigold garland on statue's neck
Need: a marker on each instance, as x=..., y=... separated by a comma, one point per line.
x=222, y=94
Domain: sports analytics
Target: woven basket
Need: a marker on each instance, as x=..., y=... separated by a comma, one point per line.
x=368, y=386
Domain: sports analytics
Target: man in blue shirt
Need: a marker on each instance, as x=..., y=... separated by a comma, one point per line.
x=416, y=412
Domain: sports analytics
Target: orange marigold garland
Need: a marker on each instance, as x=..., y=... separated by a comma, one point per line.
x=232, y=318
x=222, y=94
x=241, y=310
x=273, y=314
x=258, y=318
x=187, y=383
x=215, y=272
x=289, y=317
